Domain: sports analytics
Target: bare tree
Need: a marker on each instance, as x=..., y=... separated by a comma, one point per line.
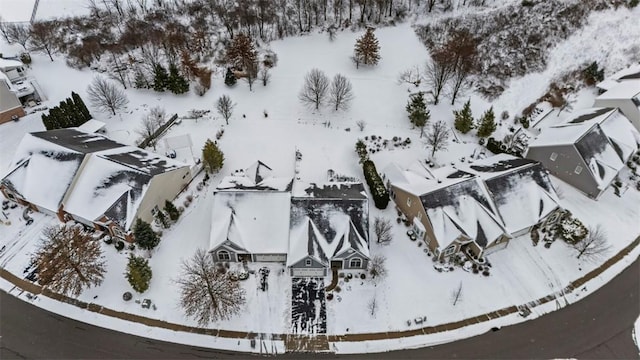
x=456, y=294
x=438, y=137
x=265, y=76
x=314, y=90
x=15, y=32
x=251, y=74
x=411, y=76
x=438, y=71
x=382, y=229
x=594, y=246
x=341, y=92
x=106, y=95
x=225, y=106
x=361, y=124
x=206, y=293
x=69, y=260
x=44, y=37
x=152, y=121
x=462, y=47
x=378, y=268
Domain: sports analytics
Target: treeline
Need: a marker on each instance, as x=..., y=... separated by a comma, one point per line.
x=71, y=112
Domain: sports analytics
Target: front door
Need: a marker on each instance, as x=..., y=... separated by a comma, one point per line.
x=244, y=257
x=336, y=264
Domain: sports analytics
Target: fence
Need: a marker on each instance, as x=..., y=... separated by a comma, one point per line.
x=151, y=139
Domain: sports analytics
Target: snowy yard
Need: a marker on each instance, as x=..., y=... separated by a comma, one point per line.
x=413, y=289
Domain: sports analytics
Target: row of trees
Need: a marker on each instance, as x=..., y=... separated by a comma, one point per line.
x=71, y=112
x=464, y=121
x=318, y=89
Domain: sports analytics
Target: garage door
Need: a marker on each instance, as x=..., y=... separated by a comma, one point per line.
x=271, y=257
x=308, y=272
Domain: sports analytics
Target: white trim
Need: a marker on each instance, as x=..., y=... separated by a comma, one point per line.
x=409, y=202
x=578, y=170
x=553, y=156
x=355, y=259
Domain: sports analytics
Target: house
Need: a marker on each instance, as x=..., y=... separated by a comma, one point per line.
x=329, y=228
x=476, y=208
x=310, y=228
x=630, y=73
x=520, y=190
x=626, y=97
x=92, y=179
x=16, y=90
x=250, y=216
x=450, y=209
x=588, y=150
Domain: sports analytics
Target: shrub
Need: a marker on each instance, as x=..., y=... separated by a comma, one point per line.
x=138, y=273
x=376, y=185
x=337, y=289
x=633, y=3
x=329, y=296
x=119, y=245
x=363, y=276
x=528, y=3
x=592, y=74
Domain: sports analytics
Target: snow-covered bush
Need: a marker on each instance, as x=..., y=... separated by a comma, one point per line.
x=376, y=185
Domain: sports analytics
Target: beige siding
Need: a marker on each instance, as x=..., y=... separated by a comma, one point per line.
x=9, y=104
x=412, y=211
x=161, y=188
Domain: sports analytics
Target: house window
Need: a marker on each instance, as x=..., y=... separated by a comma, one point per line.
x=307, y=262
x=355, y=263
x=409, y=202
x=578, y=170
x=223, y=255
x=553, y=156
x=419, y=216
x=450, y=250
x=11, y=197
x=392, y=193
x=155, y=210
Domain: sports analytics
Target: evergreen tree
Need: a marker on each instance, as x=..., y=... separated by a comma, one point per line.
x=54, y=118
x=367, y=49
x=66, y=116
x=463, y=118
x=47, y=121
x=160, y=78
x=212, y=157
x=177, y=84
x=138, y=273
x=75, y=116
x=145, y=236
x=174, y=214
x=140, y=80
x=487, y=124
x=82, y=108
x=418, y=113
x=230, y=78
x=361, y=150
x=162, y=219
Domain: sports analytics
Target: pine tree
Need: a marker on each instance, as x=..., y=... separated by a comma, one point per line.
x=418, y=113
x=82, y=108
x=145, y=236
x=47, y=121
x=463, y=118
x=75, y=116
x=162, y=219
x=177, y=84
x=138, y=273
x=230, y=78
x=487, y=124
x=367, y=49
x=174, y=214
x=140, y=80
x=361, y=150
x=212, y=157
x=160, y=78
x=54, y=118
x=65, y=118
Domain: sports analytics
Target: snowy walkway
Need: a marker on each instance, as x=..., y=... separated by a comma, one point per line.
x=308, y=306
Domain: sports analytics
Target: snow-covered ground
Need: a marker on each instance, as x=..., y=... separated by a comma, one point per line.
x=636, y=333
x=520, y=273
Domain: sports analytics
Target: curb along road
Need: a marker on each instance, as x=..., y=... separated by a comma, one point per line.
x=36, y=289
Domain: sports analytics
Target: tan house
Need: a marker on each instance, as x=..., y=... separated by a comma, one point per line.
x=10, y=105
x=475, y=207
x=92, y=179
x=16, y=90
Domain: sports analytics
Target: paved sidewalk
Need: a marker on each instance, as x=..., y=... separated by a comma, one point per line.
x=578, y=283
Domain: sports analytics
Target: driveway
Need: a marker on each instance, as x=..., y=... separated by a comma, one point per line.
x=308, y=306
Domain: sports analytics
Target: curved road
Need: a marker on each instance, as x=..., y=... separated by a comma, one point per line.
x=597, y=327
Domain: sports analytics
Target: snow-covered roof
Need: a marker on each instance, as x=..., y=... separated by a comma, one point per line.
x=622, y=134
x=256, y=221
x=78, y=140
x=519, y=188
x=601, y=158
x=92, y=126
x=630, y=73
x=258, y=176
x=418, y=179
x=42, y=171
x=624, y=90
x=113, y=182
x=323, y=228
x=463, y=207
x=343, y=190
x=8, y=64
x=564, y=134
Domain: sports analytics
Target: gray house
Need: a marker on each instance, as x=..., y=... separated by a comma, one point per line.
x=588, y=150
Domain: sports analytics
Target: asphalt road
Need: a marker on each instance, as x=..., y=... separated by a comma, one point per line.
x=598, y=327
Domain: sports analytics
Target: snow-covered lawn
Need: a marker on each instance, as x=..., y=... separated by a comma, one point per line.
x=413, y=288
